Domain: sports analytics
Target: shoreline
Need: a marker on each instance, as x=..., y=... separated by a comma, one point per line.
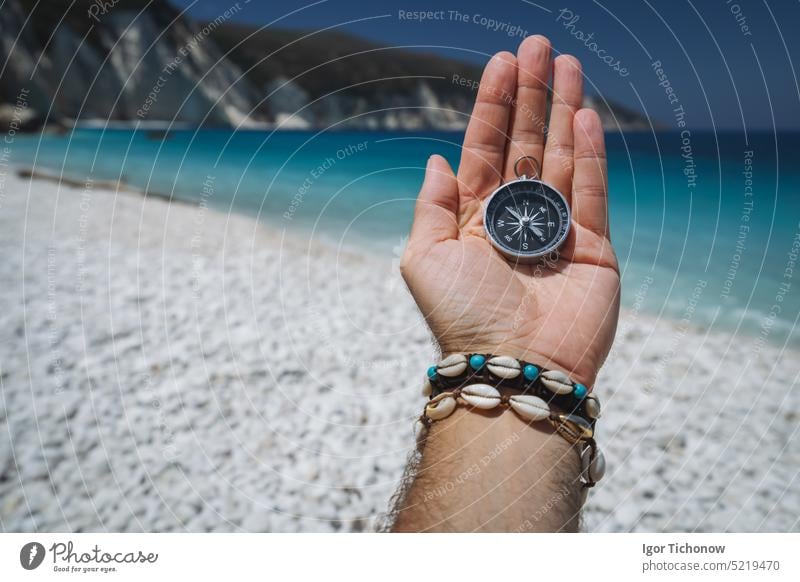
x=204, y=373
x=299, y=239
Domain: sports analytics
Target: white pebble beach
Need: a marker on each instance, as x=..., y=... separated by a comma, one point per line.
x=169, y=367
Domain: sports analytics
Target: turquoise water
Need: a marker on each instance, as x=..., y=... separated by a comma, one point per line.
x=704, y=230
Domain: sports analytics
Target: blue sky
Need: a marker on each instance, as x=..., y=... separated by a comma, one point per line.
x=729, y=65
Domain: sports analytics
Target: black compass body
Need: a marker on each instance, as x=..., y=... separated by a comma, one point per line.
x=526, y=219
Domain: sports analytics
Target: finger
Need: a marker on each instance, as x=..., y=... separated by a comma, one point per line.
x=481, y=166
x=590, y=184
x=436, y=211
x=529, y=111
x=567, y=99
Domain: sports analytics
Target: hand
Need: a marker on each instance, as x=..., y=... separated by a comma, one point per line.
x=562, y=315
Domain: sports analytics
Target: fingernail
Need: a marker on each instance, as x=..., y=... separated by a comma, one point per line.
x=428, y=172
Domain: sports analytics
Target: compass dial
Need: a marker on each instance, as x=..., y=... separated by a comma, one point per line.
x=526, y=219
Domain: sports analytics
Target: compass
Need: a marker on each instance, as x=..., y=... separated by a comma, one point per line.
x=526, y=219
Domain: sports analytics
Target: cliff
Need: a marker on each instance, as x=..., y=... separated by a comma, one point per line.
x=141, y=61
x=134, y=60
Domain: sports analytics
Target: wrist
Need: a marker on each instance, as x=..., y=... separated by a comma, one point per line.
x=582, y=373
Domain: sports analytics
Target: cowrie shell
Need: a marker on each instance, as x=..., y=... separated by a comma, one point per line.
x=453, y=365
x=481, y=396
x=504, y=367
x=557, y=382
x=572, y=427
x=529, y=407
x=427, y=387
x=441, y=407
x=592, y=406
x=595, y=468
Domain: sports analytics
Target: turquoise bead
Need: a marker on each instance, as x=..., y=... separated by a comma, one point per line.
x=477, y=361
x=432, y=372
x=580, y=390
x=531, y=372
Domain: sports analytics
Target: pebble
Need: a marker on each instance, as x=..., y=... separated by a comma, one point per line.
x=163, y=447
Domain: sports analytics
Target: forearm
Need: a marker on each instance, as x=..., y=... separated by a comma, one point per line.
x=493, y=472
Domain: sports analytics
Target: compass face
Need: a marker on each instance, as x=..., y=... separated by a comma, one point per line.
x=526, y=219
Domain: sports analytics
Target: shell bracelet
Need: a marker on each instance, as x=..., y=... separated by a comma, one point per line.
x=539, y=395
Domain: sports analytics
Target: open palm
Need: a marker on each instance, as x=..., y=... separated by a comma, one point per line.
x=561, y=314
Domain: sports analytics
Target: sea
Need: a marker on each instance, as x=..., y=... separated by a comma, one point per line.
x=706, y=225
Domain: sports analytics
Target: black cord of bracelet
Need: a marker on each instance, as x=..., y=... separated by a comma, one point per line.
x=568, y=403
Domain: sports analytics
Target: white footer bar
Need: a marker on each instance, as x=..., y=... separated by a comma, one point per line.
x=406, y=557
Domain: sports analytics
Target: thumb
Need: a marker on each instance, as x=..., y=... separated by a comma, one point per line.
x=436, y=211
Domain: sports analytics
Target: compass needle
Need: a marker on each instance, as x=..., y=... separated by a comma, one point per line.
x=514, y=213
